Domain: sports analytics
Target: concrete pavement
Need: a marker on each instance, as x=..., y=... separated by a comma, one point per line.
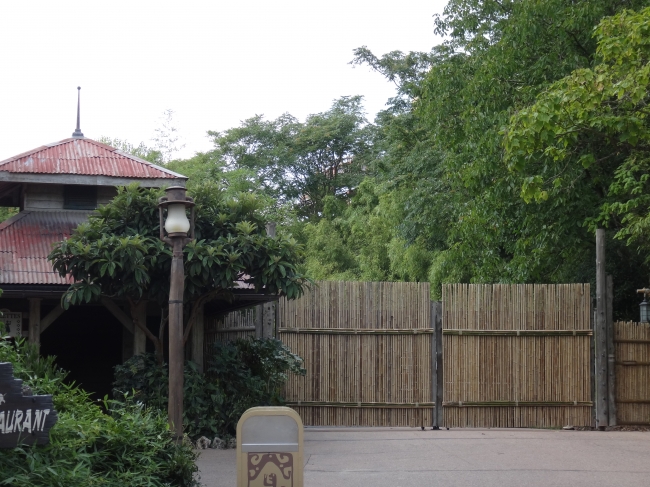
x=404, y=457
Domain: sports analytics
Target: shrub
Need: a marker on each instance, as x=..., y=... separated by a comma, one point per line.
x=240, y=375
x=117, y=445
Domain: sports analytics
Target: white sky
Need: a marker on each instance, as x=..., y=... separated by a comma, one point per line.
x=214, y=63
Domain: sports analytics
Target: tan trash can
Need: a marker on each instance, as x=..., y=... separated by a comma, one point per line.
x=270, y=448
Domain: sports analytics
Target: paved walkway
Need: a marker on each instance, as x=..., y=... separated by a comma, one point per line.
x=399, y=457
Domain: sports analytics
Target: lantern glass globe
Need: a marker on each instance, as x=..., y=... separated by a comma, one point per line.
x=177, y=221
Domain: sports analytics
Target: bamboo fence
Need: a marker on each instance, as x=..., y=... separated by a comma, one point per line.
x=228, y=327
x=517, y=355
x=632, y=345
x=367, y=351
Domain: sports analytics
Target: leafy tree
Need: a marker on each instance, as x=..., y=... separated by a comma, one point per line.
x=585, y=138
x=118, y=254
x=301, y=163
x=441, y=146
x=361, y=240
x=166, y=140
x=7, y=212
x=593, y=124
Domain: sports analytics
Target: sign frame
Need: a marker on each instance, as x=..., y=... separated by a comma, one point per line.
x=24, y=419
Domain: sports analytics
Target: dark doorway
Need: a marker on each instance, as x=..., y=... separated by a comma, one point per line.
x=87, y=341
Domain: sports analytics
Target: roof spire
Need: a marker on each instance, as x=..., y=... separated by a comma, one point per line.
x=77, y=133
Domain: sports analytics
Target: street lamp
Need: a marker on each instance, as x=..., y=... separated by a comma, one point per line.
x=176, y=231
x=644, y=307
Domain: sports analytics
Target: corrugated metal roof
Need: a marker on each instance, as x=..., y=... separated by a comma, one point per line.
x=26, y=240
x=85, y=157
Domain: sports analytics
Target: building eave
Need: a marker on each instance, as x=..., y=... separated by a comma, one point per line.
x=88, y=180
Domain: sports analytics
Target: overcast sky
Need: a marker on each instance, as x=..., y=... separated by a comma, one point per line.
x=214, y=63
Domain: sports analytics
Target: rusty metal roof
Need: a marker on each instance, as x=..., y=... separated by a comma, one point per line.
x=26, y=240
x=84, y=157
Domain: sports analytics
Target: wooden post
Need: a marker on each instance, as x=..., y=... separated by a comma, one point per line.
x=436, y=363
x=611, y=357
x=592, y=363
x=176, y=342
x=268, y=321
x=139, y=337
x=35, y=321
x=259, y=320
x=198, y=334
x=265, y=323
x=602, y=416
x=434, y=368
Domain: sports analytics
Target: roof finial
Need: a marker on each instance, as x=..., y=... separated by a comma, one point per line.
x=77, y=132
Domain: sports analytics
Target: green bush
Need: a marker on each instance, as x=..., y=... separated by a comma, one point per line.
x=109, y=444
x=142, y=379
x=240, y=375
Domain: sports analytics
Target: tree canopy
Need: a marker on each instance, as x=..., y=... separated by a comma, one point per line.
x=117, y=254
x=501, y=151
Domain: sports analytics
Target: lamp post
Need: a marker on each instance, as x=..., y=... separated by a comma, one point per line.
x=176, y=231
x=644, y=307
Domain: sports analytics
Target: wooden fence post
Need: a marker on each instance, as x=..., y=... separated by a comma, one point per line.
x=611, y=357
x=602, y=416
x=259, y=320
x=268, y=320
x=592, y=362
x=35, y=321
x=437, y=379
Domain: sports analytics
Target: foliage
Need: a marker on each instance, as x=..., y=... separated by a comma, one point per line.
x=241, y=374
x=143, y=380
x=440, y=152
x=127, y=445
x=299, y=162
x=361, y=240
x=593, y=124
x=118, y=253
x=166, y=140
x=7, y=212
x=437, y=195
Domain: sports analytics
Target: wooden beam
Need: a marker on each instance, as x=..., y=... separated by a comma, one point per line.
x=602, y=416
x=522, y=333
x=259, y=320
x=356, y=331
x=611, y=354
x=118, y=313
x=437, y=373
x=35, y=320
x=49, y=318
x=336, y=404
x=268, y=320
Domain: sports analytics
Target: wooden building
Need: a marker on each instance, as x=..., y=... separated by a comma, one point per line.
x=56, y=187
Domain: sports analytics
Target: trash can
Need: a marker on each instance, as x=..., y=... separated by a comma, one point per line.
x=270, y=448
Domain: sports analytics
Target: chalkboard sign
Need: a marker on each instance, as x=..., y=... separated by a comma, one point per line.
x=24, y=419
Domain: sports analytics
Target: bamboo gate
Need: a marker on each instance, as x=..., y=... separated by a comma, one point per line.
x=517, y=355
x=632, y=352
x=513, y=355
x=367, y=351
